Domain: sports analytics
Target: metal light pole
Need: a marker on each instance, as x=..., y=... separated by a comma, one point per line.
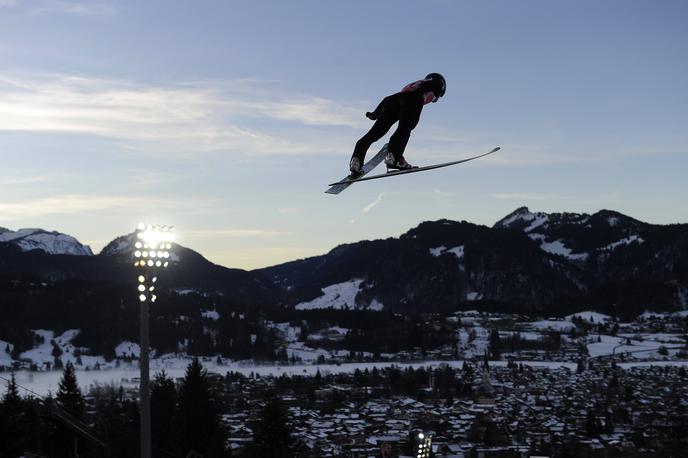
x=151, y=254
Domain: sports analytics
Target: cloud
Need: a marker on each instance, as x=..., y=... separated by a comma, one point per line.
x=289, y=210
x=120, y=110
x=13, y=180
x=187, y=118
x=369, y=207
x=62, y=205
x=311, y=110
x=72, y=204
x=374, y=203
x=524, y=196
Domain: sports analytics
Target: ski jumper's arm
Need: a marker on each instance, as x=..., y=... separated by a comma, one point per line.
x=376, y=113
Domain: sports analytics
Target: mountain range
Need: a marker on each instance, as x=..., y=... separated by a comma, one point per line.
x=51, y=257
x=527, y=262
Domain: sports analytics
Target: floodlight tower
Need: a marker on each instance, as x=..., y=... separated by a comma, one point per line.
x=424, y=445
x=152, y=246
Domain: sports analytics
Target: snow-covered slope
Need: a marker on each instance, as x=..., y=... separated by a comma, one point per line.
x=339, y=296
x=523, y=218
x=575, y=236
x=119, y=245
x=51, y=242
x=557, y=247
x=458, y=251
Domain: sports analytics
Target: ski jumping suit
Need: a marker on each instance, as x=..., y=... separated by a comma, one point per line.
x=404, y=106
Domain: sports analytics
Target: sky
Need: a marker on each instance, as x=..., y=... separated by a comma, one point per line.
x=227, y=119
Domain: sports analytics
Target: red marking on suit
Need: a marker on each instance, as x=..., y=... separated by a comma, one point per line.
x=427, y=97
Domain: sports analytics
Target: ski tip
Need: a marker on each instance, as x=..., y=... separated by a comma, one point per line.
x=335, y=189
x=340, y=182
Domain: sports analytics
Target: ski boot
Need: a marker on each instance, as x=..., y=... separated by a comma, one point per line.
x=396, y=164
x=355, y=167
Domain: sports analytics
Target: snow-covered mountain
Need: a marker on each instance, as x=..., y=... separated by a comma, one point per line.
x=577, y=236
x=120, y=245
x=21, y=254
x=50, y=242
x=531, y=263
x=122, y=248
x=528, y=261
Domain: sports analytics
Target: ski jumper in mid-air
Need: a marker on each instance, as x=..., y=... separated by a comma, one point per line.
x=405, y=107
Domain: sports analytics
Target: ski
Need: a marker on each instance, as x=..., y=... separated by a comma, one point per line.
x=336, y=188
x=412, y=170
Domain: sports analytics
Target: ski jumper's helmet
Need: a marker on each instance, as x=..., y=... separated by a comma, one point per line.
x=439, y=85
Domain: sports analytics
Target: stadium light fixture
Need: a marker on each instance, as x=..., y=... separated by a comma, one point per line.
x=424, y=445
x=151, y=245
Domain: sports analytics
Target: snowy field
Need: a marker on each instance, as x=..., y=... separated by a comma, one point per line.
x=472, y=340
x=628, y=343
x=591, y=317
x=565, y=324
x=550, y=325
x=43, y=383
x=5, y=351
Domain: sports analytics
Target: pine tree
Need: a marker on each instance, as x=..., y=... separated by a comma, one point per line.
x=163, y=412
x=15, y=431
x=495, y=344
x=69, y=394
x=115, y=421
x=272, y=436
x=11, y=397
x=201, y=430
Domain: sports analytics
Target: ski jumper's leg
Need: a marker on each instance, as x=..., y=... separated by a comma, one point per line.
x=389, y=115
x=411, y=107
